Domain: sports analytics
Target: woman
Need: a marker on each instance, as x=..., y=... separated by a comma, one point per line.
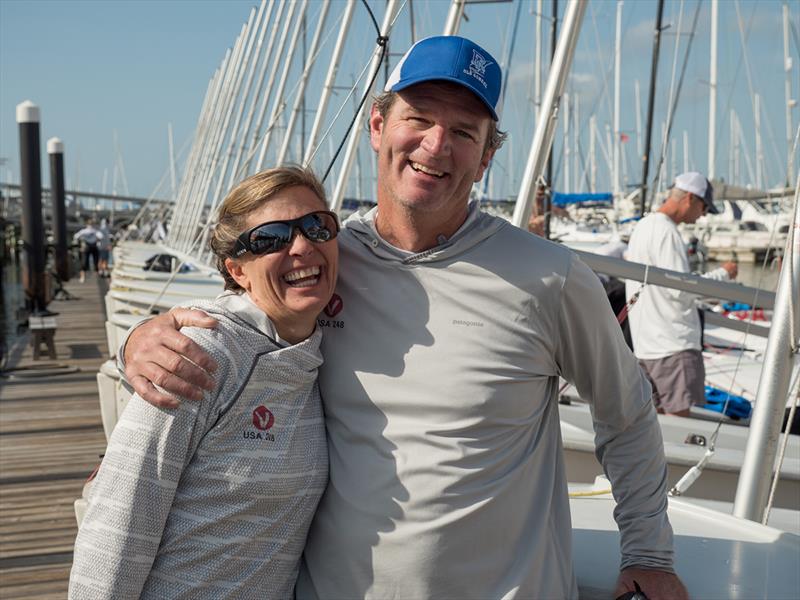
x=214, y=499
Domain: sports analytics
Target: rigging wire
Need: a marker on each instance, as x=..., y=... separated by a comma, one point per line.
x=735, y=79
x=676, y=48
x=743, y=39
x=381, y=41
x=657, y=176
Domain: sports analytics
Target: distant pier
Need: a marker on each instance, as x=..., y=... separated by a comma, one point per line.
x=51, y=439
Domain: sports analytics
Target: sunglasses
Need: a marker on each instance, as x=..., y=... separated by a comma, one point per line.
x=318, y=227
x=697, y=198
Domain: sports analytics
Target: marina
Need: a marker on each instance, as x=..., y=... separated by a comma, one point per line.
x=61, y=393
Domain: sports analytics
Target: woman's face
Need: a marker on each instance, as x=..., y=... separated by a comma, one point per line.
x=294, y=284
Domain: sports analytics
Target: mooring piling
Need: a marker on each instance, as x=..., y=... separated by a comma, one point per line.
x=33, y=248
x=55, y=149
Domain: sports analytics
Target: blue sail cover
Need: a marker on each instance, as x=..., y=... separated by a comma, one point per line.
x=560, y=199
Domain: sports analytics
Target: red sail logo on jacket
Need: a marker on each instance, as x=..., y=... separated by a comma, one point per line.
x=262, y=418
x=334, y=306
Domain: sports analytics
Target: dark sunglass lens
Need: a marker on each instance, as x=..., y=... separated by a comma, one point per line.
x=269, y=238
x=319, y=227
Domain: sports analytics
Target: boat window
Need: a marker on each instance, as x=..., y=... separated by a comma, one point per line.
x=753, y=226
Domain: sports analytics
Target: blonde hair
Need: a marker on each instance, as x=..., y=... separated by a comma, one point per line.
x=248, y=196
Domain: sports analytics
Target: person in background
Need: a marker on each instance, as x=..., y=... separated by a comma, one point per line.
x=616, y=247
x=665, y=324
x=536, y=223
x=104, y=249
x=444, y=343
x=214, y=499
x=89, y=238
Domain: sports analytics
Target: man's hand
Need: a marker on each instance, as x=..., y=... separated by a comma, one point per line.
x=156, y=353
x=536, y=225
x=731, y=268
x=657, y=585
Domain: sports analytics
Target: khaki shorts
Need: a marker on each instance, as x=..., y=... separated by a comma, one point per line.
x=678, y=380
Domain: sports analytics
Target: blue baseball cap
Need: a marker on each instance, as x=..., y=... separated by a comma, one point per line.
x=450, y=58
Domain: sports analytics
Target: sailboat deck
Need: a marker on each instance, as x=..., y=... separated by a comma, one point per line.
x=51, y=437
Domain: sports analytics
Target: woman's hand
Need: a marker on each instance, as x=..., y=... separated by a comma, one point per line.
x=157, y=353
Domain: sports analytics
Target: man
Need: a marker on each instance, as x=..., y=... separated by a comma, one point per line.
x=665, y=325
x=443, y=346
x=89, y=237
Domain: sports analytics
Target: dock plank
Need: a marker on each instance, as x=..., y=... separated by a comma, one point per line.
x=51, y=438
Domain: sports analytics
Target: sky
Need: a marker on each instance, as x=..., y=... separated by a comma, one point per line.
x=110, y=76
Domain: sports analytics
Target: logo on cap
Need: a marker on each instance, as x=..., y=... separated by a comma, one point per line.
x=477, y=67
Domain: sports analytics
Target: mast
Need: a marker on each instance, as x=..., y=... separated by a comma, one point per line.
x=790, y=103
x=638, y=98
x=576, y=141
x=454, y=17
x=281, y=25
x=537, y=62
x=545, y=125
x=615, y=188
x=279, y=102
x=673, y=171
x=330, y=80
x=300, y=93
x=650, y=105
x=592, y=156
x=488, y=177
x=773, y=386
x=712, y=97
x=759, y=151
x=261, y=90
x=565, y=144
x=731, y=149
x=547, y=198
x=172, y=178
x=249, y=59
x=736, y=178
x=685, y=151
x=355, y=135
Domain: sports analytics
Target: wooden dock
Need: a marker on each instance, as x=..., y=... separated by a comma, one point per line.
x=51, y=439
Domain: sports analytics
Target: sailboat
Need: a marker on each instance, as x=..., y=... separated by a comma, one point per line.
x=739, y=557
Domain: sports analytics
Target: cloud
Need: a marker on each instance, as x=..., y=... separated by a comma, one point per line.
x=639, y=37
x=520, y=73
x=583, y=81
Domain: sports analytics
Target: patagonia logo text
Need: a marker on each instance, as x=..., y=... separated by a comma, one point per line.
x=464, y=323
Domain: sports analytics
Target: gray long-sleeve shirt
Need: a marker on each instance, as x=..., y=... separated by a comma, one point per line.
x=213, y=499
x=440, y=388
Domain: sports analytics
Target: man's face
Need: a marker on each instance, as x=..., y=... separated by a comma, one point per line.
x=431, y=148
x=694, y=208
